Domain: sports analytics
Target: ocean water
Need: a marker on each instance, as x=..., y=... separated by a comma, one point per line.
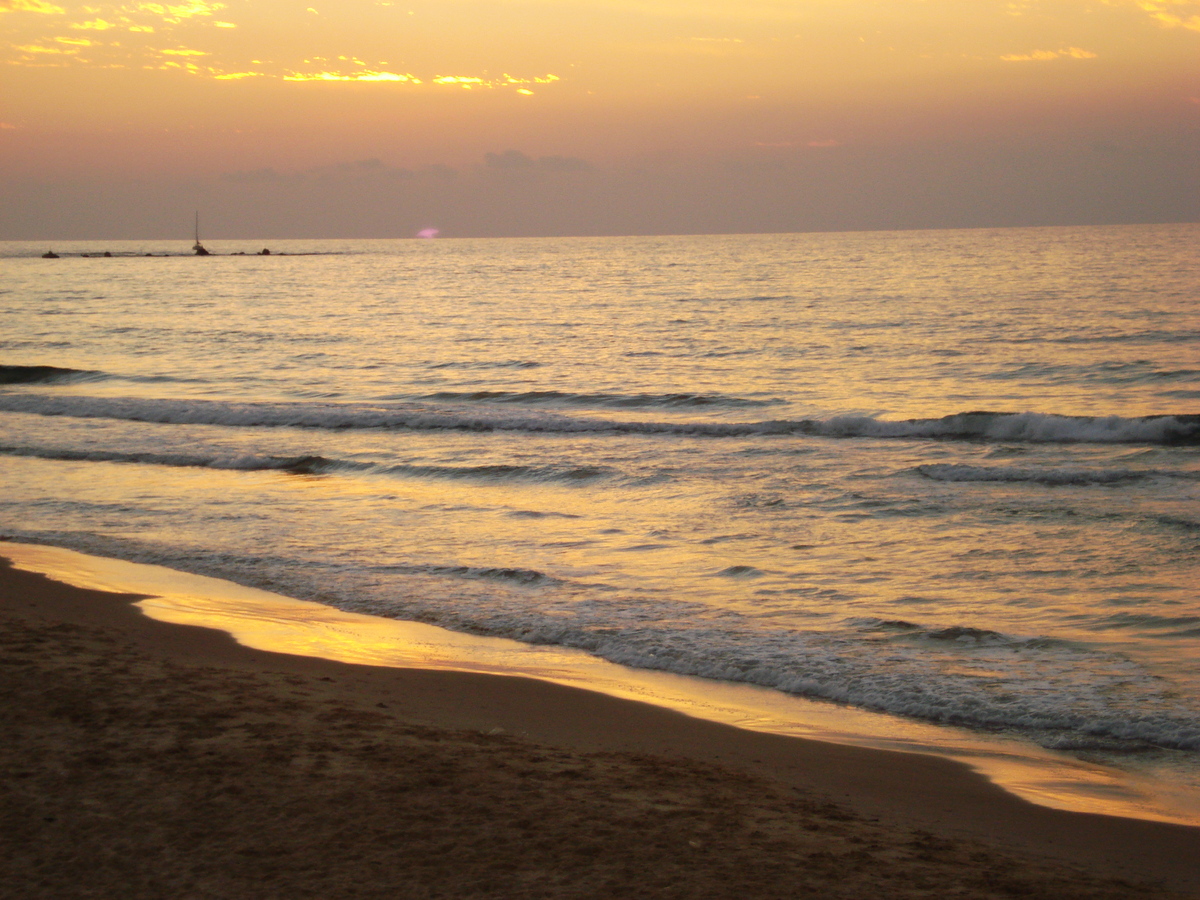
x=952, y=476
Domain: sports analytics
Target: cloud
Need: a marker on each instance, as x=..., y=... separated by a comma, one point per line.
x=508, y=160
x=33, y=6
x=94, y=25
x=564, y=164
x=515, y=161
x=44, y=50
x=505, y=80
x=253, y=176
x=372, y=169
x=207, y=25
x=382, y=75
x=360, y=75
x=1047, y=55
x=1173, y=13
x=438, y=170
x=182, y=11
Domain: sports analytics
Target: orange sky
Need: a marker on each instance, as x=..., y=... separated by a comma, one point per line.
x=901, y=99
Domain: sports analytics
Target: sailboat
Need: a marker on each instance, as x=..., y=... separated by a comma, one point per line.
x=198, y=248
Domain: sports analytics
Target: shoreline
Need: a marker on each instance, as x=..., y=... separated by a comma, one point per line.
x=274, y=622
x=883, y=793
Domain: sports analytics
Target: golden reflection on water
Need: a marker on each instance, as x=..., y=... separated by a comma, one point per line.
x=272, y=622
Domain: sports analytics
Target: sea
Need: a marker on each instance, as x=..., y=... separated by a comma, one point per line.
x=950, y=477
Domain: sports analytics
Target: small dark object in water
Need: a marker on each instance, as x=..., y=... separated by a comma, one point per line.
x=198, y=247
x=265, y=252
x=49, y=254
x=106, y=253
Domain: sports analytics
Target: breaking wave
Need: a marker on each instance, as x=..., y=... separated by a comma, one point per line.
x=45, y=375
x=601, y=400
x=504, y=574
x=971, y=426
x=1060, y=693
x=300, y=465
x=955, y=472
x=309, y=464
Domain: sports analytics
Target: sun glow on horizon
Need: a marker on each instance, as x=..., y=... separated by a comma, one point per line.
x=746, y=91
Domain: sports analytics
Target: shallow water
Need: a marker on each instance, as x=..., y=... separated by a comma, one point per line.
x=272, y=622
x=757, y=459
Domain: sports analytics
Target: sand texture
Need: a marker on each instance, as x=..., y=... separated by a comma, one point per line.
x=143, y=760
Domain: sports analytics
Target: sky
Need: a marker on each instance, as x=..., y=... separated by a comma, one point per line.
x=383, y=118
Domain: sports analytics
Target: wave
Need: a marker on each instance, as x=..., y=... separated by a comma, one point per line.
x=1176, y=522
x=310, y=464
x=963, y=636
x=300, y=465
x=45, y=375
x=34, y=375
x=959, y=472
x=616, y=401
x=1049, y=428
x=740, y=572
x=1063, y=694
x=971, y=426
x=1137, y=372
x=504, y=574
x=488, y=364
x=1059, y=694
x=503, y=472
x=1166, y=626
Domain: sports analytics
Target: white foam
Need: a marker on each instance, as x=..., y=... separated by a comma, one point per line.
x=1031, y=427
x=1052, y=691
x=273, y=622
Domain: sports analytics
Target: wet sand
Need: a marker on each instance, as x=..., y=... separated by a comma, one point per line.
x=145, y=759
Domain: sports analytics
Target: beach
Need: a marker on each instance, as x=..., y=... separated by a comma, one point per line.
x=758, y=565
x=602, y=450
x=147, y=759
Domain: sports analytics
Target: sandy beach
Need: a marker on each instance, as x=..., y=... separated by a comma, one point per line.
x=144, y=759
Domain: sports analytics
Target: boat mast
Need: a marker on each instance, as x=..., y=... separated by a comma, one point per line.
x=198, y=247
